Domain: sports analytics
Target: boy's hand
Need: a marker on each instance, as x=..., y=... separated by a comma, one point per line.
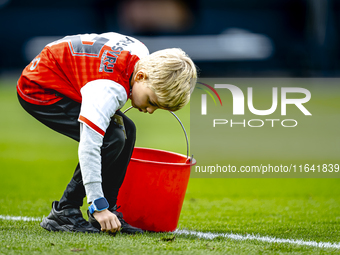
x=107, y=220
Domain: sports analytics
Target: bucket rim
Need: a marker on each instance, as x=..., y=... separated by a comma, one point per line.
x=186, y=163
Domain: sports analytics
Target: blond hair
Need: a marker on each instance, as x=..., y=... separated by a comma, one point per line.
x=171, y=74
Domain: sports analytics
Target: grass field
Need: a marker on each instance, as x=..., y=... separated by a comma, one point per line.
x=37, y=163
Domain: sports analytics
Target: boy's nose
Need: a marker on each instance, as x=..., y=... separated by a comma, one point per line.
x=151, y=109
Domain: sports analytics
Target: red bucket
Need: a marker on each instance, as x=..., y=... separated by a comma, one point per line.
x=152, y=194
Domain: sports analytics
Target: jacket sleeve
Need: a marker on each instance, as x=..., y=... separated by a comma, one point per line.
x=100, y=100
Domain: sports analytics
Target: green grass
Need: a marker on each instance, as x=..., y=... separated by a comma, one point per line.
x=37, y=163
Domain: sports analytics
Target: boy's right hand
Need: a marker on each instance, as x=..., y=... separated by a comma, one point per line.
x=107, y=220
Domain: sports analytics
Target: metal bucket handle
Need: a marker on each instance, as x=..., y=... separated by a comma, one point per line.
x=185, y=133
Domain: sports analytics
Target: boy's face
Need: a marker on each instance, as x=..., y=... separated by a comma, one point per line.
x=143, y=98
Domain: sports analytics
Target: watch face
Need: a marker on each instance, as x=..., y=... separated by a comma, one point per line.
x=101, y=203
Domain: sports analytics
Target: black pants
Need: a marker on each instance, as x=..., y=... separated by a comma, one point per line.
x=115, y=152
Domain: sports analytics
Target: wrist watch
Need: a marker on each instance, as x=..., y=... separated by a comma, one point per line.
x=98, y=205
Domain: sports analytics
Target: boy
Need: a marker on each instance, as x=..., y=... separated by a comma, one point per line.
x=76, y=86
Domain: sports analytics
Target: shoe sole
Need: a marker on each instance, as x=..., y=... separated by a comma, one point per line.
x=131, y=232
x=52, y=225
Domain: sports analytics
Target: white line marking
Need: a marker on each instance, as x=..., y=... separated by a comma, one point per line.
x=17, y=218
x=209, y=235
x=267, y=239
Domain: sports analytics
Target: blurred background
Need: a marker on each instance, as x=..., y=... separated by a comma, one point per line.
x=225, y=38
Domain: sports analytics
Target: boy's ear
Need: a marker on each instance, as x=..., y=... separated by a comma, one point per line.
x=141, y=75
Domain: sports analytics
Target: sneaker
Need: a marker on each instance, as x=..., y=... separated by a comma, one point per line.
x=125, y=228
x=67, y=220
